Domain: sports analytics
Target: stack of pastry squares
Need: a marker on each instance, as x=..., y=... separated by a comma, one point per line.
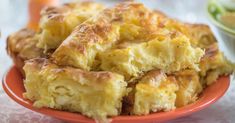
x=122, y=60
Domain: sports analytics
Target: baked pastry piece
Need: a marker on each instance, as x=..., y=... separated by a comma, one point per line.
x=124, y=60
x=21, y=46
x=189, y=87
x=55, y=25
x=58, y=22
x=130, y=23
x=154, y=92
x=213, y=64
x=94, y=94
x=201, y=35
x=168, y=55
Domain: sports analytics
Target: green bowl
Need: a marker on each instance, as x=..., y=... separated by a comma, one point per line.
x=213, y=7
x=227, y=35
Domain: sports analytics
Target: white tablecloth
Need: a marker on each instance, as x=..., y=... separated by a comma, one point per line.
x=13, y=16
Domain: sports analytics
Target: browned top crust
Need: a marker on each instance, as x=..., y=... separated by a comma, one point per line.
x=201, y=34
x=40, y=64
x=57, y=23
x=21, y=46
x=126, y=22
x=59, y=13
x=16, y=41
x=138, y=57
x=210, y=52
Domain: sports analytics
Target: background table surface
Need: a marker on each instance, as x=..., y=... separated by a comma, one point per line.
x=13, y=16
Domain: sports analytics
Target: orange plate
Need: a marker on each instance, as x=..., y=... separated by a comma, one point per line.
x=13, y=86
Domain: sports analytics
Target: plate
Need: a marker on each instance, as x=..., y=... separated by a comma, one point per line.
x=13, y=86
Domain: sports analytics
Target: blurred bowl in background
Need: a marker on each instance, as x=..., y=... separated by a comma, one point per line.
x=226, y=33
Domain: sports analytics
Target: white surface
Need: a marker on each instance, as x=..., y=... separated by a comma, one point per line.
x=13, y=16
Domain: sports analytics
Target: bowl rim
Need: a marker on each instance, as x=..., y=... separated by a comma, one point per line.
x=65, y=115
x=216, y=22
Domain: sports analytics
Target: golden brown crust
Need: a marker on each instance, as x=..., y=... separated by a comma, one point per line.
x=129, y=23
x=151, y=84
x=96, y=35
x=210, y=52
x=157, y=56
x=18, y=38
x=201, y=34
x=213, y=64
x=55, y=13
x=76, y=74
x=94, y=94
x=154, y=95
x=189, y=87
x=21, y=46
x=154, y=77
x=58, y=22
x=59, y=13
